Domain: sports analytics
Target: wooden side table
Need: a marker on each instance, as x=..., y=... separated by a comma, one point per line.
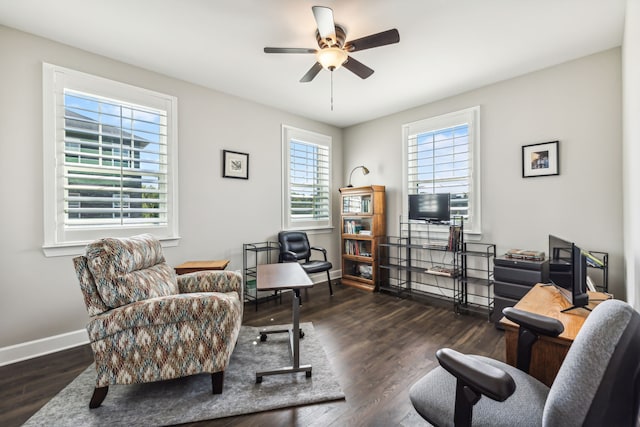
x=191, y=266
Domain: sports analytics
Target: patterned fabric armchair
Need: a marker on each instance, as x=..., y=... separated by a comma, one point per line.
x=146, y=324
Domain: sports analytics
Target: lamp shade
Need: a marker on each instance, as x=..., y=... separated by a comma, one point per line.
x=331, y=58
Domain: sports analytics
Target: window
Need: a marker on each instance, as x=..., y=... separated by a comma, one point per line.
x=114, y=159
x=306, y=179
x=442, y=155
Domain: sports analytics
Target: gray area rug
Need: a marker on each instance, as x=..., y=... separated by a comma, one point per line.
x=190, y=399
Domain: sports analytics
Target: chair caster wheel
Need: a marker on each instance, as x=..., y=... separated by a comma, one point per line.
x=258, y=380
x=301, y=334
x=308, y=374
x=263, y=337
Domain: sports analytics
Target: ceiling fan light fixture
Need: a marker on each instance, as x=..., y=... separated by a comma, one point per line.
x=331, y=58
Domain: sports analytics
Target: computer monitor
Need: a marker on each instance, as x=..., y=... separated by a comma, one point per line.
x=568, y=271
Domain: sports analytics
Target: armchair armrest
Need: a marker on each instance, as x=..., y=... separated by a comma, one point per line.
x=481, y=377
x=288, y=256
x=211, y=281
x=536, y=323
x=323, y=250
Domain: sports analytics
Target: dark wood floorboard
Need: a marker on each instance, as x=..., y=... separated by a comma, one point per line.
x=378, y=346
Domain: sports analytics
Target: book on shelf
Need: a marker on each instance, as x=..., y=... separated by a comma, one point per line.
x=439, y=270
x=364, y=205
x=351, y=247
x=355, y=227
x=592, y=260
x=454, y=237
x=525, y=254
x=357, y=248
x=350, y=227
x=437, y=244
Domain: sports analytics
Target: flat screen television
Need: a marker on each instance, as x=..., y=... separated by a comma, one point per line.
x=430, y=207
x=568, y=271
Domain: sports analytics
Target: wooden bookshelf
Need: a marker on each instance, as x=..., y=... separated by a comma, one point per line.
x=363, y=224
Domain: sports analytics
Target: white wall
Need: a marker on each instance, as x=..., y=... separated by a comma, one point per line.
x=631, y=149
x=39, y=296
x=577, y=103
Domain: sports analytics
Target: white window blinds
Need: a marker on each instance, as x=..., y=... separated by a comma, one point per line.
x=306, y=179
x=115, y=163
x=442, y=155
x=439, y=162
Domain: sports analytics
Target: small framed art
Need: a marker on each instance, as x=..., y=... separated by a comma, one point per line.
x=540, y=159
x=235, y=164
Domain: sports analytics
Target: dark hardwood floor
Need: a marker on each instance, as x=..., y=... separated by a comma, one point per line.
x=378, y=345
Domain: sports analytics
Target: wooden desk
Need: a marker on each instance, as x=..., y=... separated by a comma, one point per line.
x=548, y=353
x=191, y=266
x=276, y=277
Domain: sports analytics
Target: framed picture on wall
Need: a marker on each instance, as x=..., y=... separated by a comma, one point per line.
x=540, y=159
x=235, y=164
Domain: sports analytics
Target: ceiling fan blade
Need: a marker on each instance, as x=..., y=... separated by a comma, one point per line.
x=374, y=40
x=326, y=25
x=288, y=50
x=357, y=68
x=313, y=71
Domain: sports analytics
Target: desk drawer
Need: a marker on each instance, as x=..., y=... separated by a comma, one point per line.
x=520, y=276
x=510, y=290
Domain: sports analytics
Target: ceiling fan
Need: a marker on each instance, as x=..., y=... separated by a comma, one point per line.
x=333, y=52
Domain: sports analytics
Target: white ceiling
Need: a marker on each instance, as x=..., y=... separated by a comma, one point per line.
x=446, y=46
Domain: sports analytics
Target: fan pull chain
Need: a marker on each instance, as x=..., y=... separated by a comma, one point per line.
x=331, y=90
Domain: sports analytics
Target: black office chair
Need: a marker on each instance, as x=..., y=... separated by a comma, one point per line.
x=598, y=383
x=294, y=247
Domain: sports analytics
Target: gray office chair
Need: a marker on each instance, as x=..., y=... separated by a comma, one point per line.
x=598, y=383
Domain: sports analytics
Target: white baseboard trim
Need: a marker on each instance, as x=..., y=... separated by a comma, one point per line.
x=43, y=346
x=36, y=348
x=322, y=277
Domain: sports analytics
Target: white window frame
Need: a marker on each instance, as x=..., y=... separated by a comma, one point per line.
x=290, y=133
x=471, y=117
x=59, y=240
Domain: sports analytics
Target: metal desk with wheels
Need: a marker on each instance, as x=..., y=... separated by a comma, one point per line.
x=276, y=277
